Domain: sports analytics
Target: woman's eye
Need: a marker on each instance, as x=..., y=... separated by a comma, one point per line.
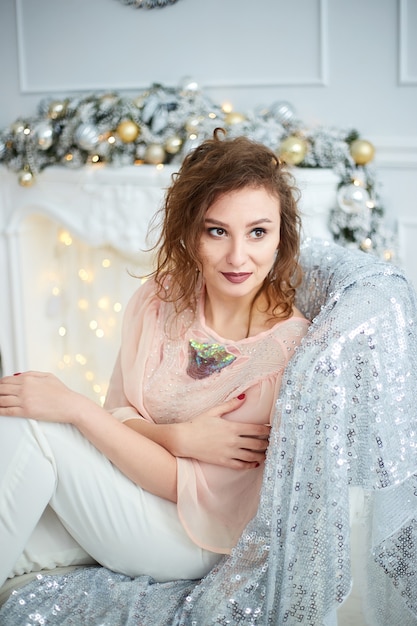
x=258, y=233
x=217, y=232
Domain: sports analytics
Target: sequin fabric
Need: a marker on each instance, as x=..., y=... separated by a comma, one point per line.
x=347, y=413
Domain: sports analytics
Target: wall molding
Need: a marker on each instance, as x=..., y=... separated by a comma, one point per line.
x=395, y=152
x=38, y=74
x=407, y=13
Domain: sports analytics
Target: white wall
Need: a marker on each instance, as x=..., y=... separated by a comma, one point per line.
x=346, y=63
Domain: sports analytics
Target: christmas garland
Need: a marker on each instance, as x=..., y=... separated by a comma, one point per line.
x=162, y=124
x=148, y=4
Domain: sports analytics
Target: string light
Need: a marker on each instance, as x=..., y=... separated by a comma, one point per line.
x=85, y=275
x=227, y=107
x=65, y=237
x=103, y=303
x=88, y=335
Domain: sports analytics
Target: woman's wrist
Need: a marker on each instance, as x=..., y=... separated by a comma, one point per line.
x=169, y=436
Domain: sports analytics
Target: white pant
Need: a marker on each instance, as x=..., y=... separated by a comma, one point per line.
x=95, y=513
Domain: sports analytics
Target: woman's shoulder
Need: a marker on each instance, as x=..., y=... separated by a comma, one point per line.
x=297, y=315
x=153, y=297
x=296, y=325
x=144, y=296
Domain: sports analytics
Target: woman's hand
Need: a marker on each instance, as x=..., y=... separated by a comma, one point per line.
x=44, y=397
x=39, y=396
x=212, y=439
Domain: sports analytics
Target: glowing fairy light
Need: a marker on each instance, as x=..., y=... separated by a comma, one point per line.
x=103, y=303
x=62, y=331
x=65, y=237
x=106, y=263
x=117, y=307
x=82, y=304
x=85, y=275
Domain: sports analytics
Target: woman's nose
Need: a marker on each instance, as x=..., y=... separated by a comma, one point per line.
x=237, y=253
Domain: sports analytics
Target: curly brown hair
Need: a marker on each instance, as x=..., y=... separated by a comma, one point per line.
x=218, y=166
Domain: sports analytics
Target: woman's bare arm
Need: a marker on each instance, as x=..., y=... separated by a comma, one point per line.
x=44, y=397
x=210, y=438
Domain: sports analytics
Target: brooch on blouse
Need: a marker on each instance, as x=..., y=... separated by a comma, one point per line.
x=207, y=358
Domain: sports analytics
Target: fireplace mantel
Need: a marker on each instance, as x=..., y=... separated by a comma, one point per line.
x=101, y=206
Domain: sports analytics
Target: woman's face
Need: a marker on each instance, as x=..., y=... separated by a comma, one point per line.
x=239, y=242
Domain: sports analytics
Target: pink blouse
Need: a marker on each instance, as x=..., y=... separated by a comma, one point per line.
x=173, y=369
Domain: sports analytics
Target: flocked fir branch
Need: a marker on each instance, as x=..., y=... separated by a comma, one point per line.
x=162, y=124
x=148, y=4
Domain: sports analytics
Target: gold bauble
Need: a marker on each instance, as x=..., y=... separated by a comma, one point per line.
x=57, y=109
x=154, y=154
x=234, y=118
x=292, y=150
x=192, y=124
x=173, y=144
x=128, y=131
x=26, y=178
x=362, y=151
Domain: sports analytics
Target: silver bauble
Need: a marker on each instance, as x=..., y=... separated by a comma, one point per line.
x=189, y=86
x=87, y=136
x=282, y=111
x=44, y=134
x=173, y=144
x=352, y=198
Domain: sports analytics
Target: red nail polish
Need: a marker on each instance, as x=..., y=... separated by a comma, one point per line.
x=17, y=374
x=241, y=396
x=257, y=464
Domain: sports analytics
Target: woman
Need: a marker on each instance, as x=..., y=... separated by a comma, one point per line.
x=163, y=479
